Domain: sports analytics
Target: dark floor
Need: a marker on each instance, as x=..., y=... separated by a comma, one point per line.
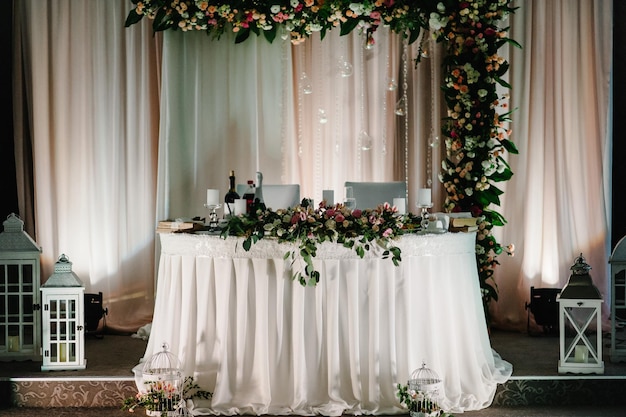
x=116, y=355
x=108, y=355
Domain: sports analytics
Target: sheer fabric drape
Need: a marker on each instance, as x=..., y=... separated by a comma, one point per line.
x=90, y=96
x=316, y=114
x=108, y=147
x=558, y=201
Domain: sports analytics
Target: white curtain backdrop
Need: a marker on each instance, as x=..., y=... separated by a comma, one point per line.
x=244, y=107
x=122, y=138
x=558, y=202
x=91, y=95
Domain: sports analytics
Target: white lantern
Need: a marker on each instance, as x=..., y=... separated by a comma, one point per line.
x=618, y=301
x=19, y=293
x=63, y=318
x=580, y=323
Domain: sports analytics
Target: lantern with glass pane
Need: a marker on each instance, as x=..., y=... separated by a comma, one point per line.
x=580, y=323
x=63, y=318
x=19, y=293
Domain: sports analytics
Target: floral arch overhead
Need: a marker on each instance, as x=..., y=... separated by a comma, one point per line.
x=475, y=127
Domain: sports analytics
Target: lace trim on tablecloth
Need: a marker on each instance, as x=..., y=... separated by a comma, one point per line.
x=232, y=247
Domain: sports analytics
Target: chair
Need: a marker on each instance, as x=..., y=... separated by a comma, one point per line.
x=277, y=196
x=371, y=194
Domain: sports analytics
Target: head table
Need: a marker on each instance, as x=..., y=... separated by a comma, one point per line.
x=264, y=344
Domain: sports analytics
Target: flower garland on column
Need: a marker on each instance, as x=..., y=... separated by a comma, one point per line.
x=476, y=134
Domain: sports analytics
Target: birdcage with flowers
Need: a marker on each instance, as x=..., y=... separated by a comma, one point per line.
x=422, y=394
x=163, y=385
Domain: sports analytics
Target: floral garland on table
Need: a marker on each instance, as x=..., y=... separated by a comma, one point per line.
x=361, y=230
x=476, y=134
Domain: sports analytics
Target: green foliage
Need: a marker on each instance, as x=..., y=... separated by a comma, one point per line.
x=359, y=230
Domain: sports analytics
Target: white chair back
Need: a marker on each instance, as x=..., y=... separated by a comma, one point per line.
x=371, y=194
x=276, y=196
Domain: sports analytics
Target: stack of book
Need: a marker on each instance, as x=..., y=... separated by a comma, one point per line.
x=463, y=224
x=179, y=226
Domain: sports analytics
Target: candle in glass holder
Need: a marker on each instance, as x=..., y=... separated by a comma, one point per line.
x=212, y=197
x=424, y=197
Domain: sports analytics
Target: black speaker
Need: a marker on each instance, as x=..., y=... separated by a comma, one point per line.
x=93, y=312
x=545, y=308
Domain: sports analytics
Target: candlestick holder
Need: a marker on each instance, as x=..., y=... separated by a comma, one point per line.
x=425, y=215
x=213, y=222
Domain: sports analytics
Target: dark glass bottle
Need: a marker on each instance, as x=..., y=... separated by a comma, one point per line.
x=231, y=195
x=249, y=197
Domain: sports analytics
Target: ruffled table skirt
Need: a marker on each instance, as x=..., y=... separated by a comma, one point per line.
x=264, y=344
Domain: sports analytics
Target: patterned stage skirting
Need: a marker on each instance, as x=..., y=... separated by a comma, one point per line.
x=28, y=392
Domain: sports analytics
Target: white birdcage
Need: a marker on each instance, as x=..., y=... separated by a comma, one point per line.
x=163, y=385
x=427, y=387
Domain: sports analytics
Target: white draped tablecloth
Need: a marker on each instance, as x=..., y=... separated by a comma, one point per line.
x=264, y=344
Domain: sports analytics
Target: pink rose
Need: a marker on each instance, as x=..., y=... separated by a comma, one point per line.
x=388, y=232
x=356, y=213
x=339, y=218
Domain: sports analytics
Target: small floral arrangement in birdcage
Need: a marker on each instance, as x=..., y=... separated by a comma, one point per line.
x=166, y=391
x=164, y=400
x=421, y=394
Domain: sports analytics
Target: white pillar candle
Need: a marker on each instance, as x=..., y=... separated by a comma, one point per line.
x=240, y=206
x=14, y=344
x=581, y=354
x=212, y=197
x=400, y=204
x=329, y=197
x=424, y=197
x=62, y=352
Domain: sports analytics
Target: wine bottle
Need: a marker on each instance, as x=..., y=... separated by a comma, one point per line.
x=249, y=196
x=258, y=192
x=231, y=195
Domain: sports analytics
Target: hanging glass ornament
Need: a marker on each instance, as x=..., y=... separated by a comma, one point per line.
x=365, y=141
x=322, y=116
x=392, y=84
x=400, y=107
x=345, y=68
x=305, y=84
x=369, y=40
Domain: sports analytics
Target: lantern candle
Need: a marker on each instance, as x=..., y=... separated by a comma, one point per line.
x=212, y=197
x=581, y=353
x=14, y=344
x=424, y=197
x=62, y=352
